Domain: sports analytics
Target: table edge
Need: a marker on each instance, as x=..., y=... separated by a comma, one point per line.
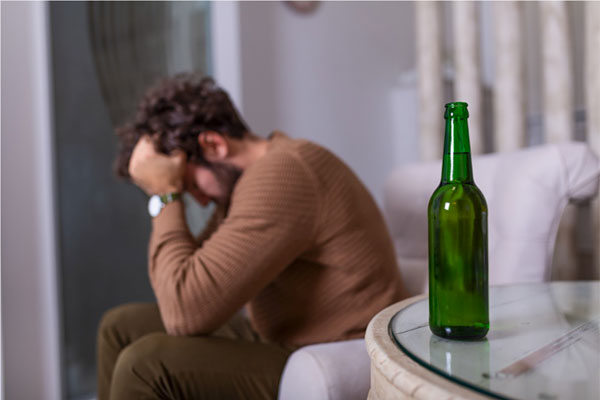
x=403, y=373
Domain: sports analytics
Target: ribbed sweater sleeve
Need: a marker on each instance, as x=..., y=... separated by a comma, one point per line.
x=270, y=223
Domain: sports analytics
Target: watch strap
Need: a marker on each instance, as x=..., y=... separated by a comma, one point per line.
x=170, y=197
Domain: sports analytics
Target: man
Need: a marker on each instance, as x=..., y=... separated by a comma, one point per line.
x=296, y=238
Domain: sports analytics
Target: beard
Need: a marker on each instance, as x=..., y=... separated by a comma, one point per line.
x=227, y=175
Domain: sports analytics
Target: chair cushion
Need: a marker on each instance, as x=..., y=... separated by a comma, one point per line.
x=328, y=371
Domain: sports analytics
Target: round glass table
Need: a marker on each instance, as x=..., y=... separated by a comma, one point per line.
x=543, y=344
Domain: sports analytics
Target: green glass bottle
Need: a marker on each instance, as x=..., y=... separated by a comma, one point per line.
x=458, y=245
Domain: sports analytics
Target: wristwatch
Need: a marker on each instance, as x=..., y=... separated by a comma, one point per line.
x=157, y=203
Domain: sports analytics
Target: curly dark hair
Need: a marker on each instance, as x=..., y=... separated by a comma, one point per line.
x=174, y=113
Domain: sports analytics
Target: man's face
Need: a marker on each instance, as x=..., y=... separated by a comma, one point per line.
x=213, y=182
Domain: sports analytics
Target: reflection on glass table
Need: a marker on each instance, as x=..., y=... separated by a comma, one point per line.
x=543, y=343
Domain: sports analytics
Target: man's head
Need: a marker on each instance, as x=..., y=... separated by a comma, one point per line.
x=191, y=114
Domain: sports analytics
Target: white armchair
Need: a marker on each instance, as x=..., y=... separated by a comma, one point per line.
x=526, y=192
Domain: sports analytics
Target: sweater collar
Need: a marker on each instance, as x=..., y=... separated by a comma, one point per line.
x=276, y=137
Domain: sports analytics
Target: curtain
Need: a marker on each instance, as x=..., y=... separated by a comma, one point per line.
x=134, y=44
x=536, y=56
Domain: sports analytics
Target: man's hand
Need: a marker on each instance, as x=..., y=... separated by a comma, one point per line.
x=156, y=173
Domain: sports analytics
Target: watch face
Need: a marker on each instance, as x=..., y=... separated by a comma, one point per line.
x=155, y=204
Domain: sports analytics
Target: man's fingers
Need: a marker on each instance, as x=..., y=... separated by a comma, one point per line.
x=155, y=172
x=178, y=154
x=178, y=157
x=144, y=141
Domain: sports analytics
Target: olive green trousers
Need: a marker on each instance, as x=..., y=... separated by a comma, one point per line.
x=138, y=360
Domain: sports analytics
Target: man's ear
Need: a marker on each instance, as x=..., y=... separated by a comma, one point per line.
x=214, y=146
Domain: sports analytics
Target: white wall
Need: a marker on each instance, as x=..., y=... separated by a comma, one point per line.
x=225, y=46
x=340, y=77
x=29, y=307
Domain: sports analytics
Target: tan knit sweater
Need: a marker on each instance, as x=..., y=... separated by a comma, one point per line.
x=303, y=244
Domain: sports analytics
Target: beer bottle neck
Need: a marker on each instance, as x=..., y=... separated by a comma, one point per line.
x=456, y=166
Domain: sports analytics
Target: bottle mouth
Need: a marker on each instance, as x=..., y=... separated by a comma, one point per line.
x=456, y=104
x=456, y=109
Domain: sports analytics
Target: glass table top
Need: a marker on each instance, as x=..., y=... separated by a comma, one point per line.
x=543, y=343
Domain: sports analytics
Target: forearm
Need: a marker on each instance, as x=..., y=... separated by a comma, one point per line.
x=171, y=273
x=199, y=288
